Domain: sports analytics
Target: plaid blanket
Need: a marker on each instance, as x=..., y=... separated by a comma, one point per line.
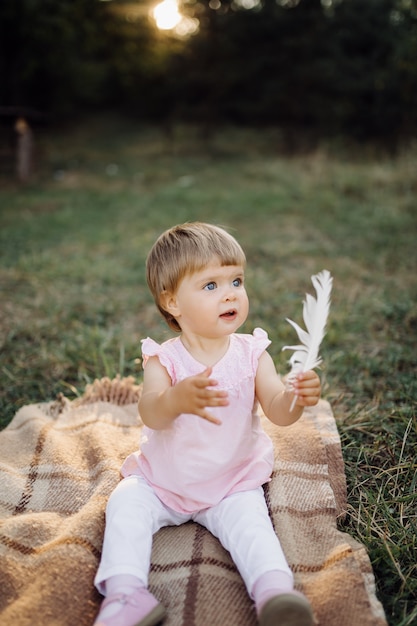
x=60, y=460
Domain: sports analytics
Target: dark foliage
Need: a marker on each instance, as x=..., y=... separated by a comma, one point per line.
x=345, y=69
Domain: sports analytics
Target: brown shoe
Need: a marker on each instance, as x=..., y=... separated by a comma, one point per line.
x=287, y=609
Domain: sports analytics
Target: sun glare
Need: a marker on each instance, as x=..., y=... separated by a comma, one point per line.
x=166, y=15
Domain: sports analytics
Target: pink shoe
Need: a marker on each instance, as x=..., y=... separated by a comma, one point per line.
x=139, y=608
x=287, y=609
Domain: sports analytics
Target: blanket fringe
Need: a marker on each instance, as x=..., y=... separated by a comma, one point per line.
x=118, y=390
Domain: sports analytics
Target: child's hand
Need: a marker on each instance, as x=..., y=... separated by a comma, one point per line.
x=194, y=394
x=306, y=387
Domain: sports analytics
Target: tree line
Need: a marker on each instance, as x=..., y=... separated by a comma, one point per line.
x=322, y=67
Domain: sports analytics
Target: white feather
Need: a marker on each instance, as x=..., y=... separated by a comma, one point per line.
x=315, y=313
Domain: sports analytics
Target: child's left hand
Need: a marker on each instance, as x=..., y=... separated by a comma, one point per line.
x=306, y=387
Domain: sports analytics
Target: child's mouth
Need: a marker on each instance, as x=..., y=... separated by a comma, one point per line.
x=229, y=314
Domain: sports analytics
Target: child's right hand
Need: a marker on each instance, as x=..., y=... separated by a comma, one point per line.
x=195, y=393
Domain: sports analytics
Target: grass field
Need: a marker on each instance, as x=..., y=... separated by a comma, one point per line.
x=74, y=303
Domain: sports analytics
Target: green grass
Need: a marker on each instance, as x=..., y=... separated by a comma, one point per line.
x=74, y=303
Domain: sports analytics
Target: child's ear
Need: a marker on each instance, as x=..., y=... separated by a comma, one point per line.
x=168, y=302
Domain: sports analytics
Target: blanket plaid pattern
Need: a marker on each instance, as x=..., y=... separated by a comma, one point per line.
x=59, y=461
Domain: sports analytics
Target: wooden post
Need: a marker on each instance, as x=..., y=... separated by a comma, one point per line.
x=24, y=155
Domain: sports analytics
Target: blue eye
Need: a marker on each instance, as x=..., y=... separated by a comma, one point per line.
x=237, y=282
x=210, y=286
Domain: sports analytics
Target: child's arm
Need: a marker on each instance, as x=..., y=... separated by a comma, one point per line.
x=161, y=402
x=276, y=401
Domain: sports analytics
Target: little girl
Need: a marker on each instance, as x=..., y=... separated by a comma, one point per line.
x=204, y=456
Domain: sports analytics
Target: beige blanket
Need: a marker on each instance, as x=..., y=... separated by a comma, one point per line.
x=59, y=462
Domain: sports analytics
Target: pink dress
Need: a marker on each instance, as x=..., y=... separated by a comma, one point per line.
x=194, y=464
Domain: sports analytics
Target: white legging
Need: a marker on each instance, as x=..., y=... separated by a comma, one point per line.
x=240, y=521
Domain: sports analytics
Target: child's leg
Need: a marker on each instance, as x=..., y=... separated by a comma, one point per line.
x=242, y=524
x=134, y=513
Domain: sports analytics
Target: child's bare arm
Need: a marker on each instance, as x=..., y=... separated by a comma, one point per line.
x=161, y=402
x=276, y=400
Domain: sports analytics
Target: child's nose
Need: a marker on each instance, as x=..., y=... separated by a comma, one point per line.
x=230, y=295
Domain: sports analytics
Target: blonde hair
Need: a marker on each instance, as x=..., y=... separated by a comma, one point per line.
x=183, y=250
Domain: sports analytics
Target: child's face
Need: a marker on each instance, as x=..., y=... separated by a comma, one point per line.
x=212, y=302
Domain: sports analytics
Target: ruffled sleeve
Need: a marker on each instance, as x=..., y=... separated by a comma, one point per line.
x=261, y=342
x=152, y=348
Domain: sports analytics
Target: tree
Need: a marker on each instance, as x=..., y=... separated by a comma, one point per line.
x=341, y=67
x=62, y=56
